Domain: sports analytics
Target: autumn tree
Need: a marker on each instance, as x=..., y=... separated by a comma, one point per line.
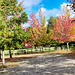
x=73, y=29
x=34, y=29
x=38, y=30
x=62, y=29
x=44, y=38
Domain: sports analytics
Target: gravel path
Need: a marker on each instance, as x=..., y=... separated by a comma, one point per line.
x=44, y=65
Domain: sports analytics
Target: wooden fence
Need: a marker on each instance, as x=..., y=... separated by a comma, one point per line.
x=31, y=50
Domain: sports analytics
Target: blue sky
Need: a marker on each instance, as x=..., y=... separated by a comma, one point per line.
x=49, y=7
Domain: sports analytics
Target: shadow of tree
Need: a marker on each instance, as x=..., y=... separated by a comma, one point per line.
x=46, y=65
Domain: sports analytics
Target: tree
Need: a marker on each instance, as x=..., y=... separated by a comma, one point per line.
x=51, y=22
x=38, y=30
x=19, y=36
x=10, y=9
x=62, y=29
x=5, y=33
x=43, y=33
x=72, y=2
x=34, y=29
x=73, y=30
x=44, y=38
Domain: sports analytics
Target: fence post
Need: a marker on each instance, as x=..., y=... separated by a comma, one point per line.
x=49, y=48
x=42, y=48
x=27, y=50
x=45, y=48
x=31, y=50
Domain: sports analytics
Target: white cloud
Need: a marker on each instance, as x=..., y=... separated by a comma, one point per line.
x=24, y=25
x=46, y=23
x=43, y=9
x=30, y=3
x=63, y=7
x=55, y=12
x=46, y=12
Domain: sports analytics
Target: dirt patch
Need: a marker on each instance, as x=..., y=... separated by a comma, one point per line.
x=27, y=56
x=3, y=66
x=17, y=59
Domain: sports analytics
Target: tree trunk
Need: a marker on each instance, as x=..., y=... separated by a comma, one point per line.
x=35, y=48
x=3, y=60
x=10, y=53
x=40, y=48
x=67, y=46
x=0, y=54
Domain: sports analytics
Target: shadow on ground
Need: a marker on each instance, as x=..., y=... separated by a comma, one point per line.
x=44, y=65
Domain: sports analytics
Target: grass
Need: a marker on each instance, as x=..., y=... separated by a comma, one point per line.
x=30, y=50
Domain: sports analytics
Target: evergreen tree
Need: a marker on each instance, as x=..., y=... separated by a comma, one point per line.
x=51, y=22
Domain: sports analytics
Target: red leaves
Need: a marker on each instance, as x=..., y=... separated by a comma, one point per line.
x=63, y=28
x=35, y=27
x=28, y=44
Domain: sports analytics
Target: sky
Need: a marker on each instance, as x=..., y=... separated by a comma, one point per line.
x=48, y=7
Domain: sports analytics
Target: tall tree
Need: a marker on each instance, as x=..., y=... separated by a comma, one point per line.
x=62, y=29
x=34, y=29
x=38, y=30
x=44, y=38
x=10, y=9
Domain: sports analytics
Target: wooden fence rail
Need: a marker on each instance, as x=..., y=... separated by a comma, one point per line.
x=31, y=50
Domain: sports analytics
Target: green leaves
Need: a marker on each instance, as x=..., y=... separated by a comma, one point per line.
x=10, y=29
x=51, y=22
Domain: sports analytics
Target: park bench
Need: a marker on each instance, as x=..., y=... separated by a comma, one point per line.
x=21, y=51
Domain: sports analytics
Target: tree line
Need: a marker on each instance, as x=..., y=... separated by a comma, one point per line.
x=59, y=29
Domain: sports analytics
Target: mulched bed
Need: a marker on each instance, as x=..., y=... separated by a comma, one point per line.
x=17, y=59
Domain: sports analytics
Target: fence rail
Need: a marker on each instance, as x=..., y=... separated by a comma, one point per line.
x=31, y=50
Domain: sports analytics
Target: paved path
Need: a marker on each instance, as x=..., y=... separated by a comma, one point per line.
x=44, y=65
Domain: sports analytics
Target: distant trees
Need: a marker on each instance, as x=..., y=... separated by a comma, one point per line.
x=51, y=22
